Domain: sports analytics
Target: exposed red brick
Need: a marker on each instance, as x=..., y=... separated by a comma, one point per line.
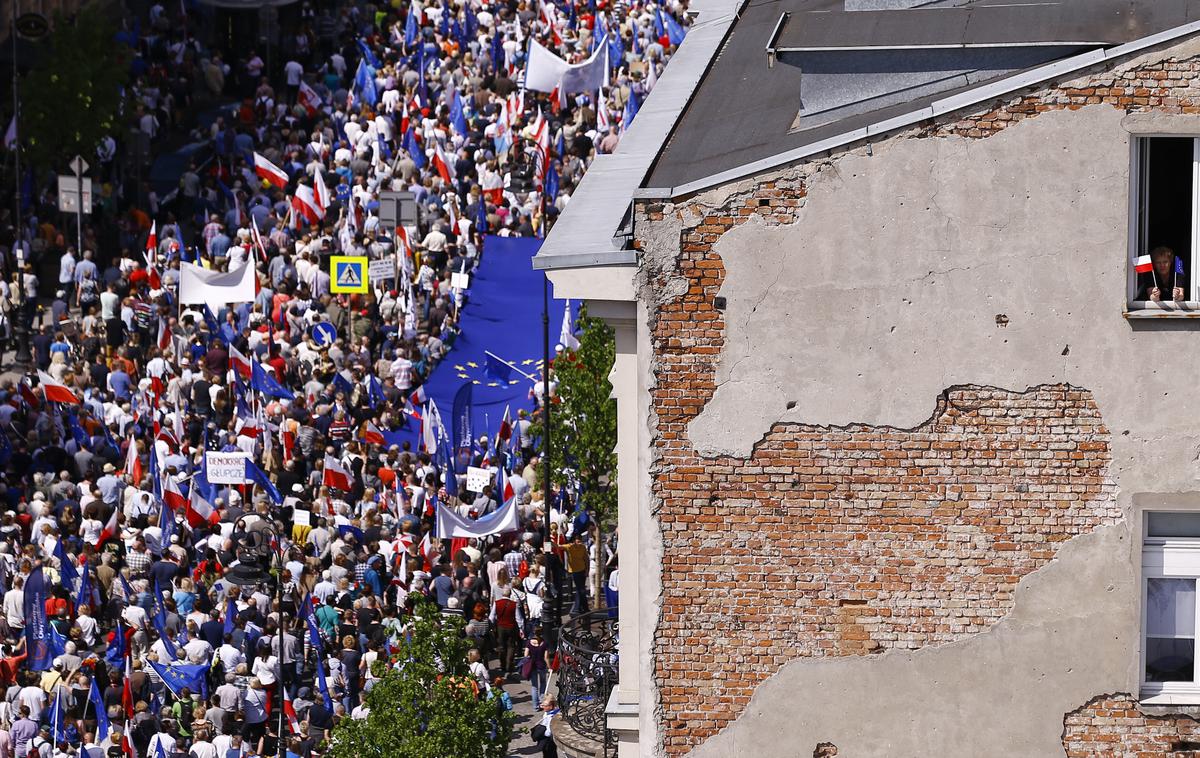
x=1114, y=726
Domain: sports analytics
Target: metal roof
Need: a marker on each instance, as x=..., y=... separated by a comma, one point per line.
x=832, y=71
x=1098, y=22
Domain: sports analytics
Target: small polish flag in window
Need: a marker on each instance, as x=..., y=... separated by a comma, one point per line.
x=1143, y=265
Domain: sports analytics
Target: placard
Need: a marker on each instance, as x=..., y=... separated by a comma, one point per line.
x=460, y=281
x=301, y=518
x=478, y=478
x=226, y=468
x=382, y=269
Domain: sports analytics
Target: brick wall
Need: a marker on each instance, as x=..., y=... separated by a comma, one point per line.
x=843, y=541
x=853, y=541
x=1114, y=727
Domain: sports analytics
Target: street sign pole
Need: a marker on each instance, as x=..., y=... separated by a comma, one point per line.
x=79, y=165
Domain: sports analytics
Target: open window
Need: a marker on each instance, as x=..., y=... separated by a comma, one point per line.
x=1170, y=572
x=1162, y=277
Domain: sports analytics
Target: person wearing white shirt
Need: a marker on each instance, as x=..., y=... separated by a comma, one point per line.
x=231, y=657
x=197, y=650
x=224, y=743
x=338, y=64
x=135, y=616
x=390, y=100
x=88, y=628
x=264, y=668
x=352, y=130
x=237, y=257
x=14, y=605
x=161, y=741
x=202, y=748
x=294, y=72
x=159, y=648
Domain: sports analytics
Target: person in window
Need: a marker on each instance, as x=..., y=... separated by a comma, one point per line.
x=1166, y=279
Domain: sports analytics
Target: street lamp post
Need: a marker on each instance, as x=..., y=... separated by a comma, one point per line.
x=250, y=572
x=21, y=327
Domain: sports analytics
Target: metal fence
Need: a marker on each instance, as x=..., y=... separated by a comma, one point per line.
x=587, y=673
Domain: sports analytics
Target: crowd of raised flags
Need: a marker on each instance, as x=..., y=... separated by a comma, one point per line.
x=124, y=634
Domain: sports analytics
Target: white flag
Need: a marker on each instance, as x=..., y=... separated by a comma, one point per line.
x=216, y=288
x=545, y=70
x=504, y=519
x=566, y=335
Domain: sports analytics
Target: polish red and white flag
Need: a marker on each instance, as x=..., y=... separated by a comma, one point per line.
x=269, y=171
x=199, y=511
x=1143, y=264
x=372, y=435
x=304, y=203
x=110, y=529
x=55, y=392
x=239, y=362
x=172, y=496
x=335, y=475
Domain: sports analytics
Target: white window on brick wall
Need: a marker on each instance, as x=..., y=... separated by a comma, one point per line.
x=1170, y=571
x=1163, y=231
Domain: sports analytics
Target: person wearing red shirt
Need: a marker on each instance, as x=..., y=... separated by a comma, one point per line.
x=507, y=616
x=10, y=663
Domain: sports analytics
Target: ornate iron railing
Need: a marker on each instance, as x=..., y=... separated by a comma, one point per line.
x=587, y=673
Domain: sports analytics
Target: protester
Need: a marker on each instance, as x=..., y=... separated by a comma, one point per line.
x=138, y=608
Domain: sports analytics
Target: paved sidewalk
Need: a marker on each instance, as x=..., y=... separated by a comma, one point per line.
x=528, y=716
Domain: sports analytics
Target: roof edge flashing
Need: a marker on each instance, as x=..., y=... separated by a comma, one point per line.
x=584, y=260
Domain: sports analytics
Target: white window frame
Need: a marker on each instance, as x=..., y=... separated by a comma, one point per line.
x=1169, y=558
x=1139, y=246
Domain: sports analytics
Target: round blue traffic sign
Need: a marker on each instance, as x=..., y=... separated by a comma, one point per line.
x=324, y=333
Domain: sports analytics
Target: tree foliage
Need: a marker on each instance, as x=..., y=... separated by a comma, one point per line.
x=583, y=424
x=428, y=706
x=71, y=99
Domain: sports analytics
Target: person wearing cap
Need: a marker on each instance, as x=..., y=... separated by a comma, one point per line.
x=110, y=485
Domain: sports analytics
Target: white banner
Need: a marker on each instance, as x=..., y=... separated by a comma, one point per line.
x=226, y=468
x=478, y=478
x=450, y=524
x=200, y=285
x=546, y=70
x=384, y=268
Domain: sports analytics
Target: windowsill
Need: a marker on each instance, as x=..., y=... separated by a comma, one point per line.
x=1170, y=698
x=1140, y=309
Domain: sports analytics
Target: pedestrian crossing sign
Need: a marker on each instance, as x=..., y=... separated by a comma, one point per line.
x=348, y=273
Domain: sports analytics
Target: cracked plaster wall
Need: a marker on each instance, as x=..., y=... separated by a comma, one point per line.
x=886, y=290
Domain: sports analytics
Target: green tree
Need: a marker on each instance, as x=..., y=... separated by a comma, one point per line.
x=72, y=97
x=583, y=424
x=428, y=706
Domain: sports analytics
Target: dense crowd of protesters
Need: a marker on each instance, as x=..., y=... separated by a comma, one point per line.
x=144, y=641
